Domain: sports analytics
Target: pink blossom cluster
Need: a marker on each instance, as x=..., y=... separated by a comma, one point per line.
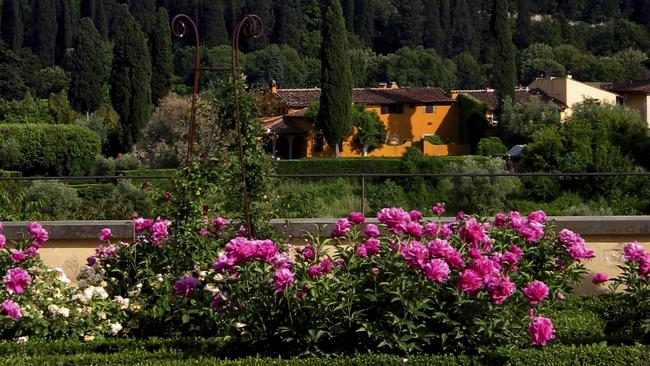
x=324, y=267
x=185, y=286
x=575, y=245
x=369, y=248
x=11, y=309
x=395, y=219
x=541, y=330
x=16, y=280
x=634, y=252
x=530, y=227
x=38, y=233
x=341, y=228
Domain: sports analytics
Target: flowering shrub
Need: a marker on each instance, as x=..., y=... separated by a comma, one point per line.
x=37, y=301
x=403, y=286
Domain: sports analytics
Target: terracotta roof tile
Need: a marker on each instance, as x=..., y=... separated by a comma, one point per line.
x=301, y=98
x=279, y=125
x=642, y=86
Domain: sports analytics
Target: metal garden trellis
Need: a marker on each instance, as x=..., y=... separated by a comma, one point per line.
x=251, y=26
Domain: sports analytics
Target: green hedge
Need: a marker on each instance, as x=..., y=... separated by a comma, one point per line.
x=150, y=172
x=368, y=165
x=10, y=173
x=53, y=149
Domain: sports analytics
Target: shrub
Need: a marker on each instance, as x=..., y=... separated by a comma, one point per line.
x=54, y=198
x=9, y=153
x=53, y=149
x=104, y=165
x=491, y=146
x=434, y=140
x=127, y=162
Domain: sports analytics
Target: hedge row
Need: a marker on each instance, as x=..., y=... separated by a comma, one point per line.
x=556, y=355
x=369, y=165
x=52, y=149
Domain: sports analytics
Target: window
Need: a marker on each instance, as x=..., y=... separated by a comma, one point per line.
x=429, y=108
x=392, y=109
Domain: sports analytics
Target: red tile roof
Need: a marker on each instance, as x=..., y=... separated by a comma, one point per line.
x=489, y=97
x=301, y=98
x=642, y=86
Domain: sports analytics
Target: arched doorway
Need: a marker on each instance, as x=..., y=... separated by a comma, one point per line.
x=298, y=147
x=282, y=148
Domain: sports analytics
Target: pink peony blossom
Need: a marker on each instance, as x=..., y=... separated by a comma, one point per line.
x=569, y=238
x=541, y=330
x=371, y=231
x=500, y=220
x=375, y=271
x=537, y=216
x=500, y=288
x=439, y=248
x=32, y=251
x=266, y=250
x=281, y=260
x=327, y=265
x=445, y=231
x=580, y=252
x=3, y=241
x=185, y=286
x=515, y=220
x=473, y=232
x=485, y=267
x=431, y=229
x=438, y=209
x=536, y=292
x=18, y=256
x=415, y=215
x=369, y=248
x=356, y=218
x=283, y=278
x=38, y=234
x=633, y=251
x=599, y=278
x=140, y=224
x=105, y=234
x=460, y=215
x=315, y=271
x=204, y=232
x=414, y=229
x=16, y=280
x=241, y=250
x=308, y=253
x=341, y=228
x=454, y=259
x=532, y=231
x=11, y=309
x=644, y=265
x=469, y=281
x=166, y=197
x=436, y=270
x=415, y=254
x=160, y=230
x=218, y=223
x=395, y=219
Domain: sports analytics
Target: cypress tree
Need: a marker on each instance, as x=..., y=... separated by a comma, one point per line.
x=289, y=23
x=348, y=14
x=231, y=13
x=130, y=78
x=101, y=20
x=504, y=52
x=433, y=36
x=12, y=25
x=263, y=9
x=144, y=12
x=44, y=30
x=364, y=23
x=445, y=25
x=524, y=27
x=162, y=66
x=412, y=22
x=87, y=66
x=65, y=33
x=464, y=35
x=335, y=112
x=213, y=23
x=88, y=8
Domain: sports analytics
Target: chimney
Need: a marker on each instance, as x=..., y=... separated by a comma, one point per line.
x=393, y=85
x=383, y=85
x=274, y=87
x=569, y=76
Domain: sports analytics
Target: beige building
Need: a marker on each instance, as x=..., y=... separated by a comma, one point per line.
x=636, y=95
x=571, y=92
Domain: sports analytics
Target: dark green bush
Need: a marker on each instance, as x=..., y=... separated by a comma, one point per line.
x=55, y=199
x=491, y=146
x=419, y=164
x=53, y=149
x=578, y=327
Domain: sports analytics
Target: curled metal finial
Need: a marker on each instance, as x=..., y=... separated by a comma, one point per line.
x=252, y=26
x=179, y=28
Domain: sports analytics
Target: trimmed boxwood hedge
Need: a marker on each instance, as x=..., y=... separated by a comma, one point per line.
x=53, y=149
x=438, y=164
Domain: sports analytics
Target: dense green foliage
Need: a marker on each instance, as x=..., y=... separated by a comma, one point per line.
x=503, y=58
x=87, y=64
x=160, y=47
x=43, y=153
x=335, y=112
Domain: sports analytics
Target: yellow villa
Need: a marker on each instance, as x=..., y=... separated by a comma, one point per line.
x=409, y=115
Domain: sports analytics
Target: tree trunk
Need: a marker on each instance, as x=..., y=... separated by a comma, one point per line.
x=365, y=151
x=336, y=150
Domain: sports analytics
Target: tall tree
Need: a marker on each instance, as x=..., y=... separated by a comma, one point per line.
x=263, y=9
x=364, y=24
x=433, y=34
x=88, y=8
x=12, y=25
x=44, y=30
x=524, y=26
x=130, y=78
x=289, y=23
x=87, y=66
x=464, y=35
x=65, y=34
x=212, y=23
x=411, y=14
x=504, y=52
x=335, y=113
x=101, y=20
x=144, y=12
x=445, y=25
x=348, y=14
x=162, y=65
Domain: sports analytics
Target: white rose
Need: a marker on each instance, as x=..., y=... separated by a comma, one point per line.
x=116, y=328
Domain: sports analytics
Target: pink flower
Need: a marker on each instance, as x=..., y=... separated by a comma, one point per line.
x=599, y=278
x=3, y=241
x=431, y=229
x=531, y=231
x=439, y=248
x=469, y=281
x=438, y=209
x=166, y=197
x=580, y=252
x=241, y=250
x=315, y=271
x=266, y=250
x=541, y=330
x=104, y=234
x=415, y=215
x=356, y=218
x=91, y=261
x=473, y=232
x=281, y=260
x=454, y=259
x=415, y=254
x=283, y=279
x=633, y=251
x=460, y=215
x=500, y=288
x=308, y=253
x=218, y=223
x=445, y=231
x=185, y=286
x=160, y=231
x=537, y=216
x=414, y=229
x=16, y=280
x=375, y=271
x=217, y=301
x=436, y=270
x=39, y=235
x=395, y=219
x=327, y=265
x=371, y=231
x=32, y=251
x=18, y=256
x=569, y=238
x=515, y=219
x=644, y=265
x=11, y=309
x=500, y=220
x=204, y=232
x=536, y=292
x=369, y=248
x=140, y=224
x=223, y=263
x=341, y=228
x=486, y=268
